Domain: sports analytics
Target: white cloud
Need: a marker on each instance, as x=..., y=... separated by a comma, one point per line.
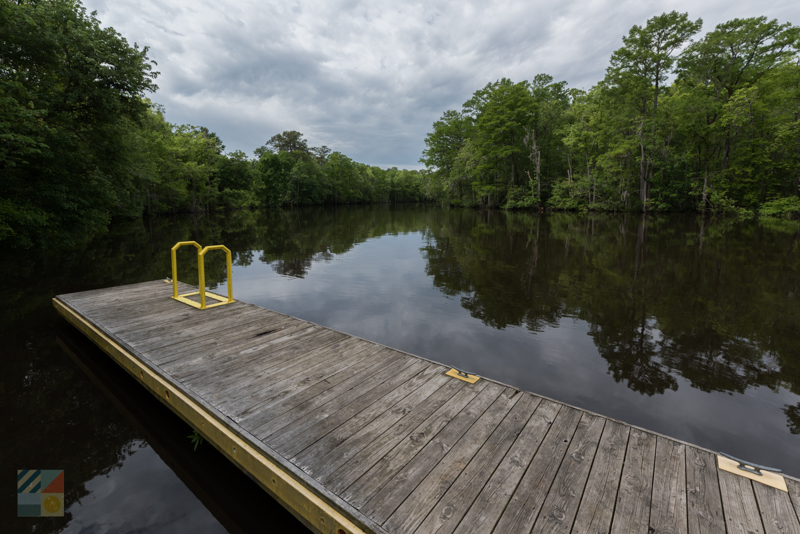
x=369, y=78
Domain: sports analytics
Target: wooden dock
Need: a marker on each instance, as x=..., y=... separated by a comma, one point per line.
x=352, y=436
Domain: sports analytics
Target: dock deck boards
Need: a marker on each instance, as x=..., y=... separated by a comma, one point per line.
x=393, y=445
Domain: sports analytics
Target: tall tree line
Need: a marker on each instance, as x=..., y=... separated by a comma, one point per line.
x=80, y=143
x=678, y=123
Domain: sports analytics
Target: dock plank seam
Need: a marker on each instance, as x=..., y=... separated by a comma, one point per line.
x=704, y=511
x=458, y=426
x=463, y=506
x=776, y=510
x=588, y=476
x=371, y=413
x=360, y=440
x=514, y=464
x=561, y=502
x=294, y=410
x=722, y=502
x=292, y=443
x=794, y=495
x=361, y=462
x=311, y=485
x=467, y=454
x=359, y=490
x=442, y=477
x=604, y=448
x=532, y=501
x=280, y=324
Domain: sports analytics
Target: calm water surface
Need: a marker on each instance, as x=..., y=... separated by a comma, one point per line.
x=682, y=325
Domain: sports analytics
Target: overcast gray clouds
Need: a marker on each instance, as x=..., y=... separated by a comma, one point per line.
x=369, y=78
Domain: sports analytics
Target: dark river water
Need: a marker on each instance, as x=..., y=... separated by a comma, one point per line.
x=682, y=325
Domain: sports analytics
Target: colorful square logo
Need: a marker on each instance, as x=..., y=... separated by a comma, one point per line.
x=40, y=493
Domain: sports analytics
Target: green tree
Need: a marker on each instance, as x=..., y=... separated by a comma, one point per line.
x=638, y=72
x=726, y=65
x=69, y=90
x=442, y=146
x=274, y=177
x=290, y=141
x=236, y=180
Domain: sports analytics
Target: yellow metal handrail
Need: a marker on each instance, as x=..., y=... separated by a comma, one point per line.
x=201, y=272
x=174, y=254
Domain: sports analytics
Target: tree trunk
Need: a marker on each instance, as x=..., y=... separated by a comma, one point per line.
x=797, y=175
x=147, y=192
x=536, y=159
x=569, y=170
x=513, y=171
x=643, y=177
x=726, y=151
x=538, y=188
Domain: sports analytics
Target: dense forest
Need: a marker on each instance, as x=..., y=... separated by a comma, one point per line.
x=677, y=124
x=81, y=143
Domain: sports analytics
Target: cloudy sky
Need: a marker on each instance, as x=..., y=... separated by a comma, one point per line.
x=369, y=78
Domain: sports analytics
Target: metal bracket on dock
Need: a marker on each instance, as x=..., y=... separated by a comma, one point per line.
x=201, y=274
x=766, y=475
x=462, y=375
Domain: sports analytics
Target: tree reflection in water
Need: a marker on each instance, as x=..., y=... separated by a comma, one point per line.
x=667, y=300
x=723, y=314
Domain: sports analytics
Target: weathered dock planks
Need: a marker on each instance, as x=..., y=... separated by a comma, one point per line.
x=352, y=436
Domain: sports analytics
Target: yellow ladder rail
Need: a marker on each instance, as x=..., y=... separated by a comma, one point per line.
x=201, y=272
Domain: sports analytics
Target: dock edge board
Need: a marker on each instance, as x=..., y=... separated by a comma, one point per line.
x=304, y=503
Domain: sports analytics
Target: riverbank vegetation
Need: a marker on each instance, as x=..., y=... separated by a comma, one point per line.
x=81, y=143
x=678, y=123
